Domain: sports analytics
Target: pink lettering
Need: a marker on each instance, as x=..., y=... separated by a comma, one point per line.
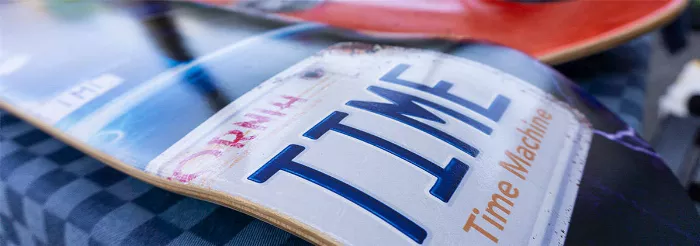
x=239, y=138
x=290, y=100
x=254, y=124
x=178, y=174
x=236, y=143
x=271, y=112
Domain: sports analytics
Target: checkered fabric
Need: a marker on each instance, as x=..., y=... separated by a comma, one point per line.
x=52, y=194
x=617, y=78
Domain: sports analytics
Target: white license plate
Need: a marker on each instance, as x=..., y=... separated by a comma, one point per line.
x=379, y=145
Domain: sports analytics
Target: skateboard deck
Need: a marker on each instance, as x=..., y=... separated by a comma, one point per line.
x=536, y=28
x=423, y=143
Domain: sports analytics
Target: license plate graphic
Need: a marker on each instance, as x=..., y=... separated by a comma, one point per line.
x=371, y=144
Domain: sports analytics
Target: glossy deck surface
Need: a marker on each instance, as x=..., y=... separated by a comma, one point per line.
x=626, y=196
x=534, y=28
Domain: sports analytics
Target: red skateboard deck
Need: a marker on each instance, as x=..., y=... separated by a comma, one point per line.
x=554, y=32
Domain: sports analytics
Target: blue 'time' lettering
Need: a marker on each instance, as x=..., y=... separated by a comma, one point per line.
x=404, y=104
x=448, y=179
x=284, y=161
x=493, y=112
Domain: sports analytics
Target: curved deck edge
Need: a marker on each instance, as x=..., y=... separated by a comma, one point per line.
x=240, y=204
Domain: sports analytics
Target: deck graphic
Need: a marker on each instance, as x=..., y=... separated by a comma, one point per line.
x=398, y=144
x=74, y=98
